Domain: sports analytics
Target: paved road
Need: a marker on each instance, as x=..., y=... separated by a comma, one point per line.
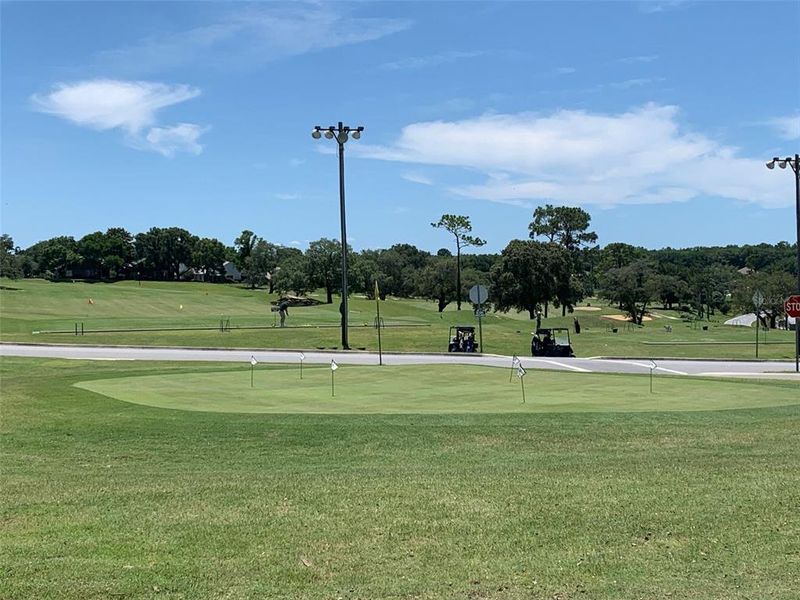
x=583, y=365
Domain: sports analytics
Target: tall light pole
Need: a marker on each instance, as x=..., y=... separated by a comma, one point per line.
x=795, y=164
x=341, y=133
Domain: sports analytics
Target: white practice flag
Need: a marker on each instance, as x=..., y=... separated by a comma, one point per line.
x=334, y=366
x=253, y=360
x=515, y=362
x=302, y=356
x=520, y=371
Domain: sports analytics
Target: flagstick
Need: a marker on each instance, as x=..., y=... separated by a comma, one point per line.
x=333, y=388
x=301, y=368
x=378, y=308
x=522, y=381
x=252, y=367
x=651, y=380
x=511, y=375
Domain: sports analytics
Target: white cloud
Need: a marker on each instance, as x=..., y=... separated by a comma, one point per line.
x=296, y=162
x=570, y=157
x=254, y=35
x=131, y=106
x=287, y=196
x=107, y=103
x=787, y=128
x=565, y=70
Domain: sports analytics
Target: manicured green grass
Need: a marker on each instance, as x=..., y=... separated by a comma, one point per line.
x=35, y=305
x=431, y=390
x=109, y=499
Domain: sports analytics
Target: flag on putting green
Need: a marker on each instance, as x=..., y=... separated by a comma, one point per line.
x=515, y=362
x=253, y=360
x=334, y=366
x=302, y=356
x=520, y=371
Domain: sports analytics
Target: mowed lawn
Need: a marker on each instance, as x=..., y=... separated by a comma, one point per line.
x=28, y=306
x=110, y=499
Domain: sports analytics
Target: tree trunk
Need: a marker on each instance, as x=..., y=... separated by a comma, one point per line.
x=271, y=286
x=546, y=305
x=532, y=312
x=563, y=310
x=458, y=276
x=442, y=303
x=329, y=293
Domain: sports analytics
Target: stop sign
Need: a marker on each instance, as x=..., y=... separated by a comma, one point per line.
x=792, y=306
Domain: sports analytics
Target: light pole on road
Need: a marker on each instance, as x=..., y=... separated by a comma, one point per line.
x=341, y=133
x=794, y=163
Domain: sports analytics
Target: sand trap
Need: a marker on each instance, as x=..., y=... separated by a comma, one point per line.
x=624, y=318
x=587, y=308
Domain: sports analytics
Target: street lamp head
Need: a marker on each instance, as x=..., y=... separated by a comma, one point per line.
x=771, y=164
x=782, y=164
x=342, y=137
x=357, y=134
x=329, y=134
x=316, y=134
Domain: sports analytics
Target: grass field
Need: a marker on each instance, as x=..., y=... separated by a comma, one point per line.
x=34, y=305
x=109, y=499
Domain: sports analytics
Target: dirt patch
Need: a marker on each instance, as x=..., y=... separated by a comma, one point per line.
x=588, y=308
x=624, y=318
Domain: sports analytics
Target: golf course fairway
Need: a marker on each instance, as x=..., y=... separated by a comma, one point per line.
x=434, y=389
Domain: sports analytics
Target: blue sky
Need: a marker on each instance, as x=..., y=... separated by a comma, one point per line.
x=656, y=117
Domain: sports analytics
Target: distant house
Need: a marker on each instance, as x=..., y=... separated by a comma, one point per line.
x=231, y=272
x=746, y=271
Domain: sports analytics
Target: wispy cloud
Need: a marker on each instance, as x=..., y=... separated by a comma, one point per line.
x=433, y=60
x=632, y=83
x=641, y=156
x=252, y=36
x=287, y=196
x=787, y=127
x=177, y=138
x=131, y=106
x=657, y=6
x=565, y=70
x=643, y=58
x=417, y=178
x=296, y=162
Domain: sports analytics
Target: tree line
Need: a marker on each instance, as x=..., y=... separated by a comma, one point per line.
x=557, y=266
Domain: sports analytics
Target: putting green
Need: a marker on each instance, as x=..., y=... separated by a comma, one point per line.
x=434, y=389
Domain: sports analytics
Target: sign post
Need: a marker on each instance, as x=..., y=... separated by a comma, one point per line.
x=792, y=308
x=758, y=301
x=478, y=294
x=378, y=321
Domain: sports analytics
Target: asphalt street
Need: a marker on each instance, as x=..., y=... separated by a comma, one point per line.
x=583, y=365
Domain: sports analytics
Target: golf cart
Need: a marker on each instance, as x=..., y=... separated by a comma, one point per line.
x=551, y=342
x=462, y=339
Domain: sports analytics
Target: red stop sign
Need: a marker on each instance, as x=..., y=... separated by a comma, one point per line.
x=792, y=306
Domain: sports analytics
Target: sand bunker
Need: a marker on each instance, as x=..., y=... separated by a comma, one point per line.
x=587, y=308
x=624, y=318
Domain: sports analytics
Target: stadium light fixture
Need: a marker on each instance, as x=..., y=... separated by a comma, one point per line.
x=794, y=163
x=341, y=132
